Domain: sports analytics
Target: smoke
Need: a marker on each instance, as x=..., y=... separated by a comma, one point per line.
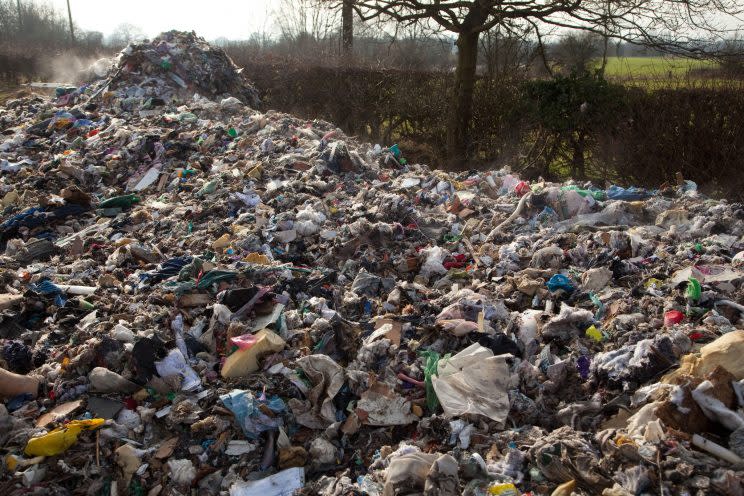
x=69, y=68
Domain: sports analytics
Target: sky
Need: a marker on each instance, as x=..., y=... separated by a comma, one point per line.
x=234, y=20
x=213, y=19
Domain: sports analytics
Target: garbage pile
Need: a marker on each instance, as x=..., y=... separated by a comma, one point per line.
x=218, y=300
x=173, y=66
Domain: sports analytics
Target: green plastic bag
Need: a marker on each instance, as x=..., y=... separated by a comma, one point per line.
x=597, y=194
x=191, y=270
x=600, y=306
x=215, y=276
x=123, y=201
x=430, y=369
x=693, y=289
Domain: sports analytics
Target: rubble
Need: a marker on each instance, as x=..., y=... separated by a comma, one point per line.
x=217, y=299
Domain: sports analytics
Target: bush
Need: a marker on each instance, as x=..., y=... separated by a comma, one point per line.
x=696, y=131
x=571, y=113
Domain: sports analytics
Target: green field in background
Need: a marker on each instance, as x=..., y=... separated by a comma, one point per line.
x=654, y=67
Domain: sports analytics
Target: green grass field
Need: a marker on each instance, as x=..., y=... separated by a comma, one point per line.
x=658, y=71
x=654, y=67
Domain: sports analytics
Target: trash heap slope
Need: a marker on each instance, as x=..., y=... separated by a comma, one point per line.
x=218, y=300
x=174, y=65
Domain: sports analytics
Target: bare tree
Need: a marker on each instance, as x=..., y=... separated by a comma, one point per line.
x=675, y=25
x=305, y=28
x=731, y=57
x=577, y=51
x=506, y=55
x=124, y=34
x=32, y=21
x=346, y=7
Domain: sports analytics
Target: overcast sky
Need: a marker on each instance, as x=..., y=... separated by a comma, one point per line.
x=235, y=20
x=212, y=19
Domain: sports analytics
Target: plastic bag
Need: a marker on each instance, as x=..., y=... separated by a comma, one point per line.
x=124, y=201
x=673, y=317
x=433, y=264
x=473, y=381
x=430, y=369
x=508, y=183
x=249, y=411
x=597, y=194
x=559, y=281
x=627, y=194
x=693, y=289
x=600, y=306
x=251, y=347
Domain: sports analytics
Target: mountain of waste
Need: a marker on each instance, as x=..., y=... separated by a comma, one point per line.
x=220, y=300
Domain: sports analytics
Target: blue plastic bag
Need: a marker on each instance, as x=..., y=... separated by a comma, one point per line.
x=248, y=414
x=167, y=269
x=629, y=194
x=47, y=287
x=559, y=281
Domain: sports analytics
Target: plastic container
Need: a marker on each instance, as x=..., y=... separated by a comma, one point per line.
x=60, y=439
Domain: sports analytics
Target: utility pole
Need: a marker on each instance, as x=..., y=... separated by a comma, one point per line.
x=69, y=16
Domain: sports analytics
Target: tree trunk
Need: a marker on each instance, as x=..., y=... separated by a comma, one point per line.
x=461, y=100
x=347, y=27
x=20, y=15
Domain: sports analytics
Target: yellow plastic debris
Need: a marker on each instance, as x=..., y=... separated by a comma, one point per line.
x=10, y=198
x=15, y=462
x=594, y=333
x=726, y=352
x=60, y=439
x=506, y=489
x=622, y=439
